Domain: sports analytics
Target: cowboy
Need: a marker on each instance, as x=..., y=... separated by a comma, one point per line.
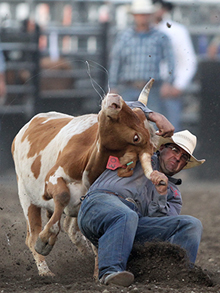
x=136, y=56
x=118, y=212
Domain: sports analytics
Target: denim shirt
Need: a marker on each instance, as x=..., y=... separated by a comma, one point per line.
x=142, y=191
x=137, y=57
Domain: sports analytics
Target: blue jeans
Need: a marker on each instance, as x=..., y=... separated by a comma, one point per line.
x=113, y=227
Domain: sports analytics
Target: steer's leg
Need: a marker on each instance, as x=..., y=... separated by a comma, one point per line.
x=70, y=226
x=59, y=192
x=96, y=266
x=34, y=223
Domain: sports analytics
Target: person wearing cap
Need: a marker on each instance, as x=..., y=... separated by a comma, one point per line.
x=118, y=212
x=185, y=62
x=137, y=54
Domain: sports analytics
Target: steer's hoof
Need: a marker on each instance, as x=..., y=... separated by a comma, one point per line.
x=46, y=274
x=42, y=247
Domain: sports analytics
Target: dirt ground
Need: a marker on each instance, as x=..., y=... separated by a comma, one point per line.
x=158, y=268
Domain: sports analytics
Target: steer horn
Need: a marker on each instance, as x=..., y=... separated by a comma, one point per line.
x=145, y=92
x=145, y=160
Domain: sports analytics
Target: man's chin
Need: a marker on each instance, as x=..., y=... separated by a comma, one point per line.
x=170, y=171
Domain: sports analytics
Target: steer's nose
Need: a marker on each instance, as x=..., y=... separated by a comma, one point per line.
x=114, y=101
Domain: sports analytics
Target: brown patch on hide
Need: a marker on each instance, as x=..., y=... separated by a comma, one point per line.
x=74, y=157
x=35, y=167
x=40, y=133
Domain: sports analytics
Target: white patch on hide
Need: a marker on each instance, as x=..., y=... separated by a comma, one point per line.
x=31, y=189
x=43, y=269
x=59, y=174
x=85, y=179
x=77, y=189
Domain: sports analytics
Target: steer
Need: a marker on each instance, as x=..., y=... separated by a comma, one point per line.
x=57, y=157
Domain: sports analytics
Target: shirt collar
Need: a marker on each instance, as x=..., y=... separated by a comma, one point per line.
x=176, y=181
x=151, y=29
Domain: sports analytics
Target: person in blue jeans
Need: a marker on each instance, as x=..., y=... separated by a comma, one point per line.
x=118, y=212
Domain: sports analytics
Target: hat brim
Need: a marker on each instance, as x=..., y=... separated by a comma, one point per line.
x=193, y=161
x=145, y=10
x=150, y=10
x=141, y=11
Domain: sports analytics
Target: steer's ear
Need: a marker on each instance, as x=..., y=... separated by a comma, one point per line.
x=129, y=162
x=126, y=172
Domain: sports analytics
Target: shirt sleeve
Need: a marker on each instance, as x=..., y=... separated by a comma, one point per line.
x=165, y=205
x=137, y=104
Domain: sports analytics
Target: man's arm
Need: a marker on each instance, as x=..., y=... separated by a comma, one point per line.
x=165, y=128
x=161, y=204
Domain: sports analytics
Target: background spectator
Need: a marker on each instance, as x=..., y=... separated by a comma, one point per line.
x=136, y=57
x=185, y=62
x=213, y=48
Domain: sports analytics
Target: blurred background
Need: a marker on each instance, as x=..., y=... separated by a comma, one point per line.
x=57, y=59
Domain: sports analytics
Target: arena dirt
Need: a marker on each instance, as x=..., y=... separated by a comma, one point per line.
x=157, y=267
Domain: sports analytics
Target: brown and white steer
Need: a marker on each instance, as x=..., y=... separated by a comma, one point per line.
x=57, y=157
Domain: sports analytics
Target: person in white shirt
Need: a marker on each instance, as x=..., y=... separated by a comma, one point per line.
x=185, y=61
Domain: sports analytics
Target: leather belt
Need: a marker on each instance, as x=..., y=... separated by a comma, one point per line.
x=100, y=191
x=128, y=199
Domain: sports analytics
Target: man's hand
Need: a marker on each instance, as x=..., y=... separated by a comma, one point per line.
x=165, y=128
x=156, y=177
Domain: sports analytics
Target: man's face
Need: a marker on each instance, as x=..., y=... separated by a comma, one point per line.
x=143, y=19
x=172, y=159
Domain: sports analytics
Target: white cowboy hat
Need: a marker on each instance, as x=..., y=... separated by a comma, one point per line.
x=142, y=7
x=185, y=140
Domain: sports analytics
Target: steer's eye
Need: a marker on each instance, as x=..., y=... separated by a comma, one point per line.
x=136, y=138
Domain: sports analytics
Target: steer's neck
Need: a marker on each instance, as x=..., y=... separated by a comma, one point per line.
x=97, y=163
